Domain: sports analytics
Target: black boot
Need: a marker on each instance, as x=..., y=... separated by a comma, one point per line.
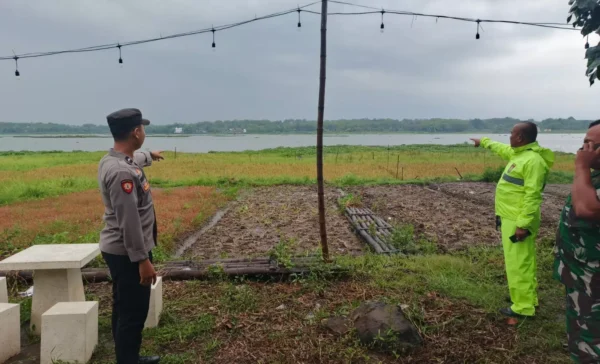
x=149, y=359
x=508, y=312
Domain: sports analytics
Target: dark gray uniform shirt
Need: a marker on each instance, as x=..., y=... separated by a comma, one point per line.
x=129, y=209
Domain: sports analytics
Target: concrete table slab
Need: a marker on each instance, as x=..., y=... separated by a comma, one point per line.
x=56, y=274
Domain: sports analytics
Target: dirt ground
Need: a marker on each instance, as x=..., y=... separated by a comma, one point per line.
x=263, y=217
x=455, y=215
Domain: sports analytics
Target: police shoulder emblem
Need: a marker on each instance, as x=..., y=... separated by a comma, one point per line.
x=127, y=185
x=146, y=186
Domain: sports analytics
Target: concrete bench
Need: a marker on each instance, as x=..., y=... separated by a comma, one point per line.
x=69, y=332
x=10, y=331
x=3, y=290
x=156, y=304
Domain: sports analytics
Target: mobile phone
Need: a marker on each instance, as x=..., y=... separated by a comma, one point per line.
x=514, y=237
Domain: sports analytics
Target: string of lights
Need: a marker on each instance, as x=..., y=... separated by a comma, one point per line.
x=214, y=29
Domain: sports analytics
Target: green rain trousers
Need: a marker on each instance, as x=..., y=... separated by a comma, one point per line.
x=521, y=269
x=518, y=201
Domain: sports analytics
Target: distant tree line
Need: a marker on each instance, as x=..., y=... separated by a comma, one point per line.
x=290, y=126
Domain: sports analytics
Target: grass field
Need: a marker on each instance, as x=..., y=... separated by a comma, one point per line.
x=27, y=176
x=452, y=298
x=52, y=197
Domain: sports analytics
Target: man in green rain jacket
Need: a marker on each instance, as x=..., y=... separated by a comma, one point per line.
x=518, y=200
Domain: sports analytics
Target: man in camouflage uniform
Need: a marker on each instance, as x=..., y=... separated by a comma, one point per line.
x=577, y=251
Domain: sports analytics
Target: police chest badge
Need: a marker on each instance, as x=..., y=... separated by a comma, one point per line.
x=138, y=171
x=511, y=168
x=127, y=185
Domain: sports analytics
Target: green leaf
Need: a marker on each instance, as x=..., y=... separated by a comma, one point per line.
x=592, y=66
x=592, y=53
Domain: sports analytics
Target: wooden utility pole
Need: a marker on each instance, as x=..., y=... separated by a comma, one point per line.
x=321, y=188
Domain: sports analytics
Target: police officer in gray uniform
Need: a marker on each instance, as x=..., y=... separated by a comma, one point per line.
x=130, y=233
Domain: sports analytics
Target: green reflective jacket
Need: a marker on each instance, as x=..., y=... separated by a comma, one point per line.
x=519, y=191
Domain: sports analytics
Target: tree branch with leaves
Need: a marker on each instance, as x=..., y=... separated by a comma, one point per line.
x=586, y=15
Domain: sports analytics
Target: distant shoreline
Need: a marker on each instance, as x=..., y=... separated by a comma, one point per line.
x=327, y=134
x=82, y=136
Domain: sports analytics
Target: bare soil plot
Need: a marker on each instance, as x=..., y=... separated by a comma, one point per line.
x=455, y=215
x=264, y=217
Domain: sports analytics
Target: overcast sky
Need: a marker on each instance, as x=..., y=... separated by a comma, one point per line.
x=269, y=70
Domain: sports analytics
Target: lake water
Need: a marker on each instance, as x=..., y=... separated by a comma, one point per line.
x=204, y=143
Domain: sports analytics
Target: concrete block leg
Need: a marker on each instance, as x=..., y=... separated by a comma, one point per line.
x=3, y=290
x=51, y=287
x=10, y=331
x=156, y=304
x=69, y=332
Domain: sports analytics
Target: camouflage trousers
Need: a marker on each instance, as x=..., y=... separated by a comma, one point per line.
x=583, y=327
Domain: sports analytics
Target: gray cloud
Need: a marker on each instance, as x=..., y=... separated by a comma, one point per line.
x=416, y=69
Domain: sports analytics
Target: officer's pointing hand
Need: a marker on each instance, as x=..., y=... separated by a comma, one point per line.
x=156, y=155
x=476, y=141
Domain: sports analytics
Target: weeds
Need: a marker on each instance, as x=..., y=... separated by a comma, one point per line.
x=403, y=238
x=282, y=252
x=216, y=272
x=492, y=175
x=238, y=298
x=350, y=200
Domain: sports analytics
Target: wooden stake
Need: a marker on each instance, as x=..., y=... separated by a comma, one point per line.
x=175, y=152
x=388, y=161
x=321, y=112
x=397, y=166
x=460, y=175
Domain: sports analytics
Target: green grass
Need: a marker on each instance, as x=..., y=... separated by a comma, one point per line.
x=27, y=161
x=37, y=189
x=477, y=277
x=31, y=175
